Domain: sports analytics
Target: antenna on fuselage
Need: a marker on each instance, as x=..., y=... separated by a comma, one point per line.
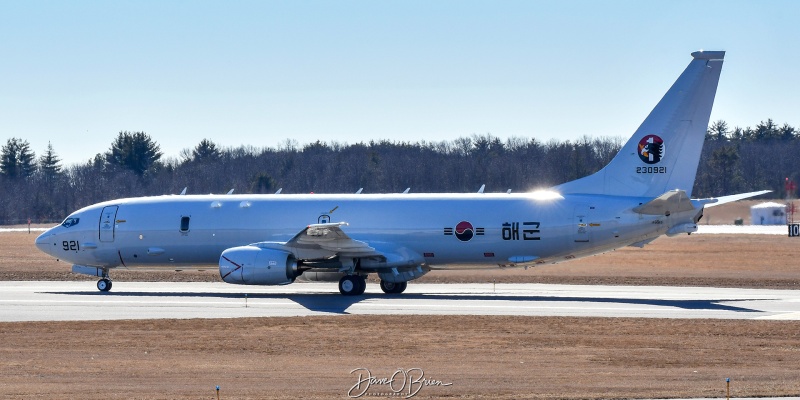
x=482, y=188
x=407, y=190
x=359, y=191
x=183, y=192
x=230, y=191
x=509, y=191
x=279, y=191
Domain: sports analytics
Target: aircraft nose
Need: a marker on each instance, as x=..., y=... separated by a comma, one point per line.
x=45, y=242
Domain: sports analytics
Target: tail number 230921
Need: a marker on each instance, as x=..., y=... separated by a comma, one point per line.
x=651, y=170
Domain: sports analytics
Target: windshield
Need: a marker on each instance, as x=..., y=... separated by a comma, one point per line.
x=70, y=222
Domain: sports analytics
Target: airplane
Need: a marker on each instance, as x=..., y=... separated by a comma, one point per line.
x=272, y=239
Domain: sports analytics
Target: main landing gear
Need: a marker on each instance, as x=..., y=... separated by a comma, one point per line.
x=352, y=285
x=393, y=287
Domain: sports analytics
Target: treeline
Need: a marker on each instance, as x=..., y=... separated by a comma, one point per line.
x=41, y=188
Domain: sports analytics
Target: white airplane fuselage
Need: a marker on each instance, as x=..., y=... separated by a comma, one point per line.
x=443, y=231
x=642, y=193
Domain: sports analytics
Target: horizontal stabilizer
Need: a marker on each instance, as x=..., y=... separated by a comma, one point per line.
x=713, y=202
x=666, y=204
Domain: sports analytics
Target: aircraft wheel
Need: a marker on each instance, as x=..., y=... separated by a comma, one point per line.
x=392, y=287
x=402, y=287
x=352, y=285
x=362, y=284
x=104, y=285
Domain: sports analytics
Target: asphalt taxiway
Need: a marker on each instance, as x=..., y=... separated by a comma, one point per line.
x=72, y=301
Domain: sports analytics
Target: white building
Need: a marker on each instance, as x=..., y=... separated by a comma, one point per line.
x=768, y=214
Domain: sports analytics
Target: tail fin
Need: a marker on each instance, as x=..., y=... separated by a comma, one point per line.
x=664, y=152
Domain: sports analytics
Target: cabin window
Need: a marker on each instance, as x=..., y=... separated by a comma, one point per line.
x=184, y=224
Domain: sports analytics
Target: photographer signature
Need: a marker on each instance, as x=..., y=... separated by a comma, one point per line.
x=406, y=382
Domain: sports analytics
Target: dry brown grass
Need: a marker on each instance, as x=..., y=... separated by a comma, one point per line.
x=484, y=357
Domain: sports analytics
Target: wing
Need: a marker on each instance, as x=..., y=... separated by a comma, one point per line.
x=321, y=241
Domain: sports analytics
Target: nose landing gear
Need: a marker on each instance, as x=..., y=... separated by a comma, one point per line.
x=104, y=284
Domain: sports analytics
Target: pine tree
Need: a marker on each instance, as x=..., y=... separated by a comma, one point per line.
x=49, y=163
x=205, y=151
x=134, y=151
x=718, y=131
x=17, y=159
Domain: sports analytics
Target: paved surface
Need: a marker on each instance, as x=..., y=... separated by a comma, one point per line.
x=69, y=301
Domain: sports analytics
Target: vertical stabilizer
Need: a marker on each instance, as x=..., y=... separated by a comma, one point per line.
x=664, y=152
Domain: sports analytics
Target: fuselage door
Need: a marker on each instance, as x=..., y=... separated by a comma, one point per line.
x=108, y=223
x=582, y=223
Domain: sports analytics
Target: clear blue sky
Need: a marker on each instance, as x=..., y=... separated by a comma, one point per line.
x=75, y=73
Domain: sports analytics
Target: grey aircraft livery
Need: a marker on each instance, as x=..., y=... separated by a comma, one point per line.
x=644, y=192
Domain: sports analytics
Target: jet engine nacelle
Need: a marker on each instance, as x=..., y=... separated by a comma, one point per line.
x=251, y=265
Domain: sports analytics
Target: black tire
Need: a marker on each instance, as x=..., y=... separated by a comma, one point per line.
x=350, y=285
x=104, y=285
x=393, y=287
x=402, y=287
x=388, y=287
x=362, y=284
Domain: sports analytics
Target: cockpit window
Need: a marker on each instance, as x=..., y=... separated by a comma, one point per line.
x=70, y=222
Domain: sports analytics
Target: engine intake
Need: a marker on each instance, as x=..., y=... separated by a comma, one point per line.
x=251, y=265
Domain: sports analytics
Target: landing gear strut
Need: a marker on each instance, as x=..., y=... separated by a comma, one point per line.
x=352, y=285
x=393, y=287
x=104, y=284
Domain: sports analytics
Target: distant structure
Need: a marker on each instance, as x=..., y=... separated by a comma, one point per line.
x=768, y=213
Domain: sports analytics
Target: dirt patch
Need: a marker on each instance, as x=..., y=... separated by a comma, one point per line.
x=483, y=357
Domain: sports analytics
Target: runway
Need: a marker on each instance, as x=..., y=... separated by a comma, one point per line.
x=74, y=301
